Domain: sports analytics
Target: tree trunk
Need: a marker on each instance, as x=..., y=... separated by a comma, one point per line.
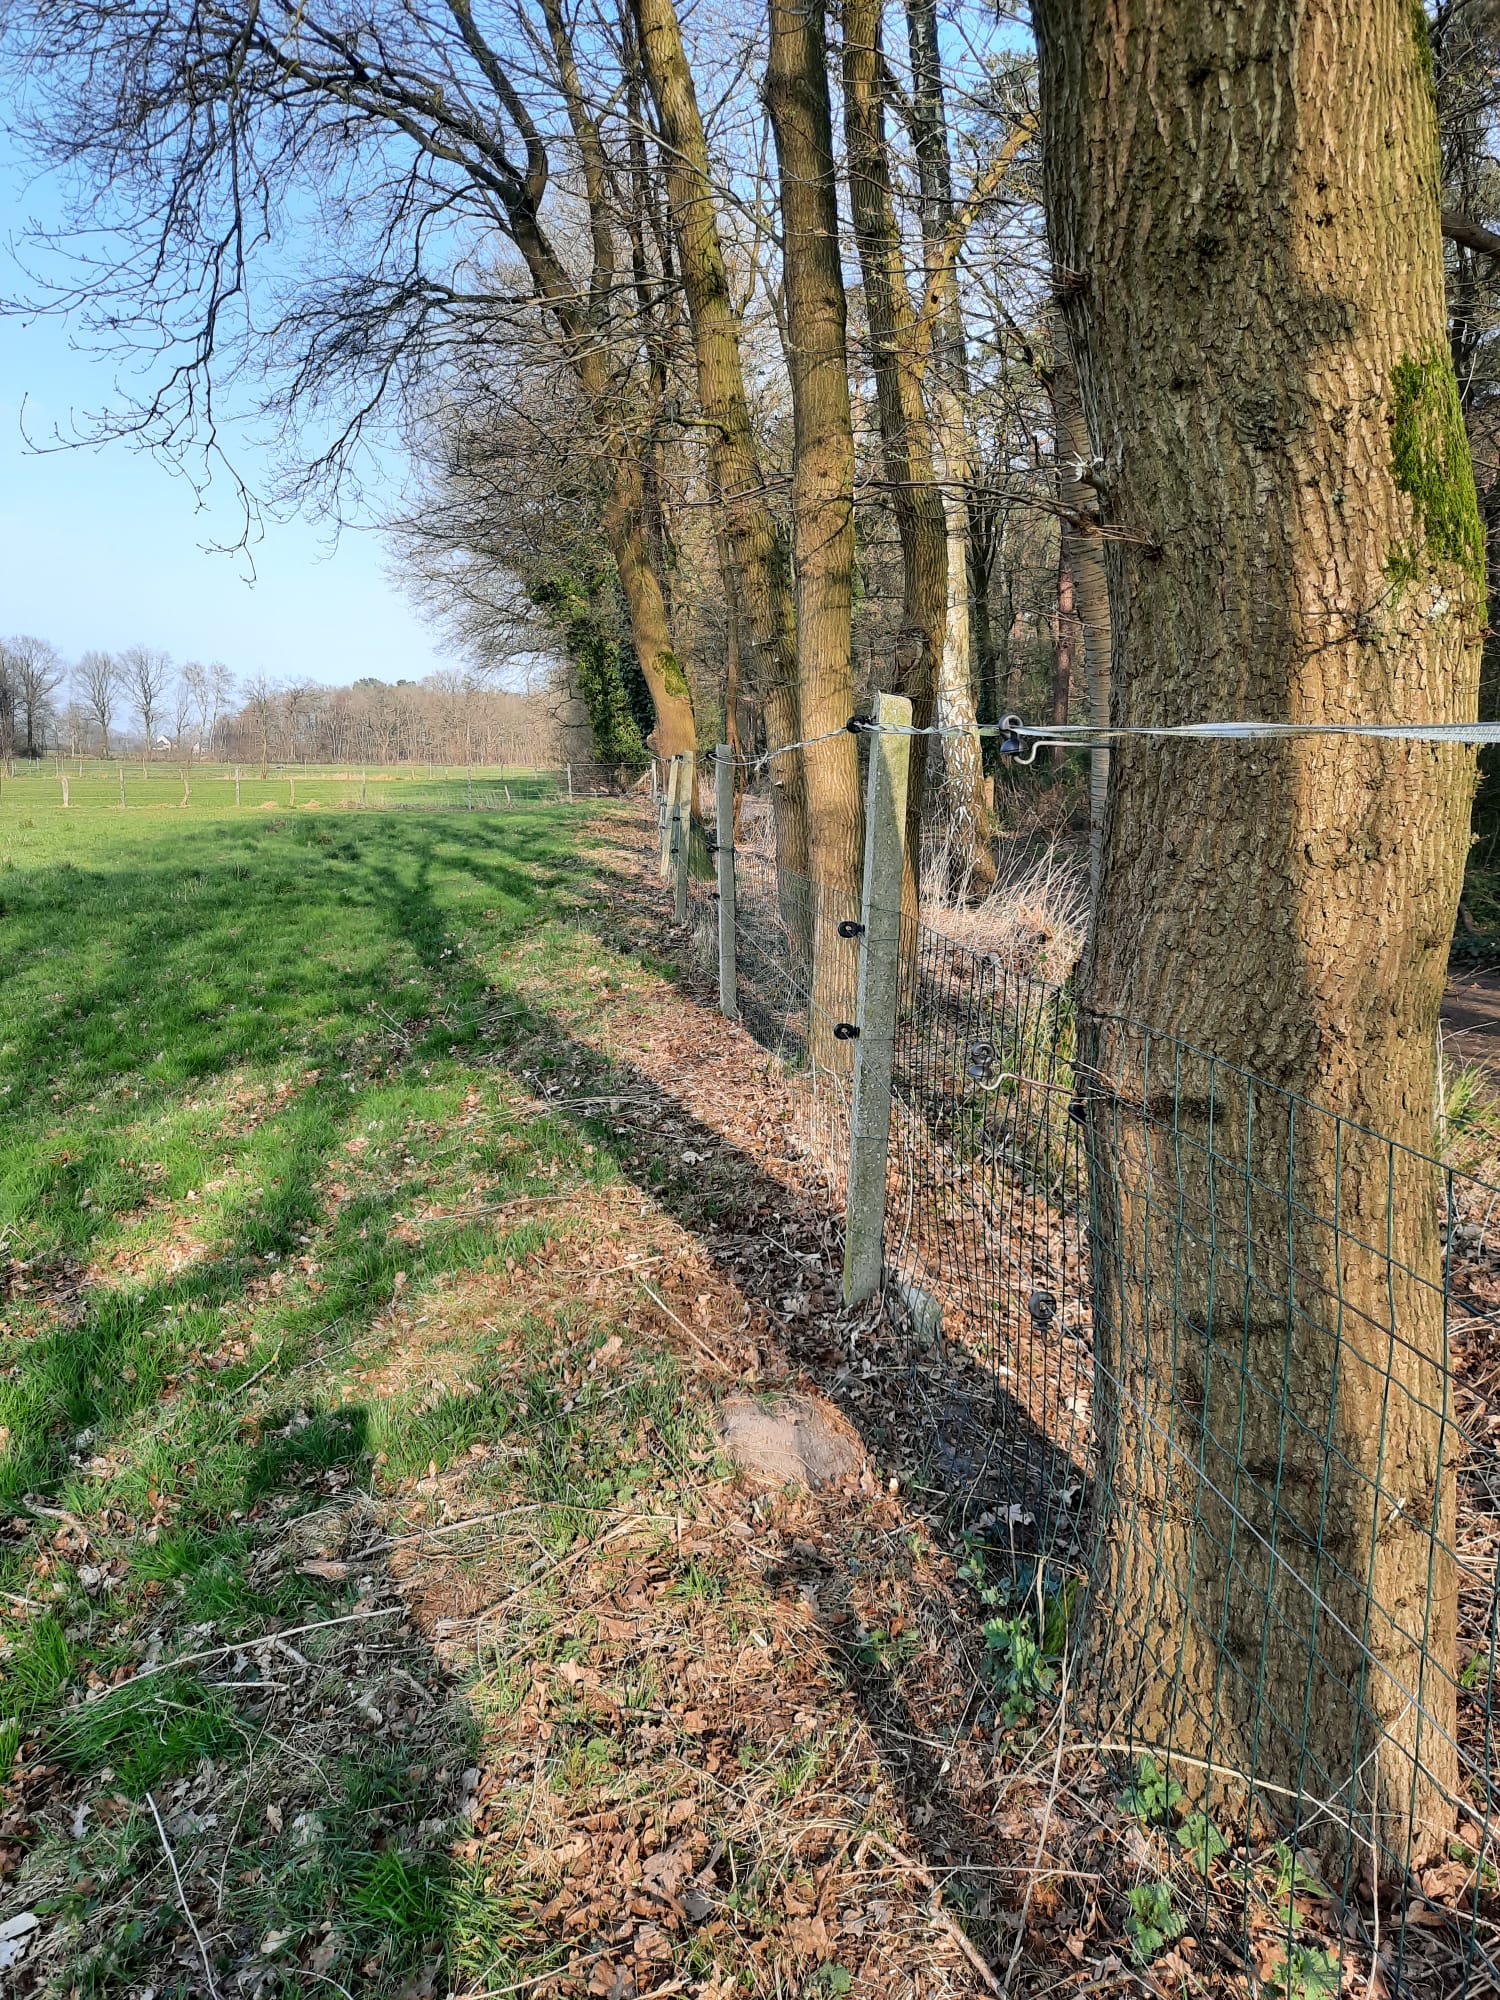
x=763, y=582
x=1085, y=547
x=796, y=90
x=676, y=731
x=963, y=760
x=1062, y=659
x=906, y=441
x=1243, y=212
x=583, y=323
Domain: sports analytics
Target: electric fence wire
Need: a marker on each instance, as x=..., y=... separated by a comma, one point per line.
x=1013, y=733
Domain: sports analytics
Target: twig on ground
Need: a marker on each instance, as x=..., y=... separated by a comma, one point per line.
x=538, y=1979
x=251, y=1380
x=1041, y=1839
x=160, y=1667
x=495, y=1208
x=554, y=1568
x=715, y=1360
x=208, y=1970
x=944, y=1920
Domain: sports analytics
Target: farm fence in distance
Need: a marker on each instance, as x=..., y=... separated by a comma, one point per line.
x=1240, y=1436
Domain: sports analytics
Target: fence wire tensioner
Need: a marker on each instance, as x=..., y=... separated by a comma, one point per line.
x=1011, y=744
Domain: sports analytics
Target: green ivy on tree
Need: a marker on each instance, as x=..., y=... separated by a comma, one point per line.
x=577, y=607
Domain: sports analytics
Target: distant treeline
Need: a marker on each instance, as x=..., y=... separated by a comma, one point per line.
x=139, y=702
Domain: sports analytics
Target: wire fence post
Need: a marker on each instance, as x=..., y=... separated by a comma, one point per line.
x=879, y=980
x=684, y=812
x=668, y=803
x=570, y=783
x=729, y=1004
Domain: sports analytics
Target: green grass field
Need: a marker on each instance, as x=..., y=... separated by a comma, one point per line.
x=128, y=785
x=268, y=1095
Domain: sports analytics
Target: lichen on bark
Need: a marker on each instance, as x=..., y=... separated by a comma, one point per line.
x=1431, y=463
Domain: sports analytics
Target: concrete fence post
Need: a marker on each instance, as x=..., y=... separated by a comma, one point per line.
x=570, y=783
x=879, y=983
x=668, y=807
x=729, y=1002
x=684, y=835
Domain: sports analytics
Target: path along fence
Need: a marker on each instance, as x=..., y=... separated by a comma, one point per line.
x=1238, y=1450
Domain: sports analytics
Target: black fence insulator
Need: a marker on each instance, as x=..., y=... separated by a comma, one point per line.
x=849, y=928
x=857, y=723
x=845, y=1031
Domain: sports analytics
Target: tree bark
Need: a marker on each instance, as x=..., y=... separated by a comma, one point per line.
x=1243, y=210
x=1085, y=547
x=905, y=437
x=796, y=90
x=763, y=581
x=1062, y=660
x=963, y=761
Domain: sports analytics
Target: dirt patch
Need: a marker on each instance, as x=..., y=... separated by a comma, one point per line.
x=790, y=1441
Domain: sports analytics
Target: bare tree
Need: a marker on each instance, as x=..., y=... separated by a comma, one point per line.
x=7, y=707
x=145, y=675
x=97, y=681
x=262, y=707
x=38, y=672
x=428, y=134
x=190, y=700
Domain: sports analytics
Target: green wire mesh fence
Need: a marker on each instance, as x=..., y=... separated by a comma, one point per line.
x=1240, y=1448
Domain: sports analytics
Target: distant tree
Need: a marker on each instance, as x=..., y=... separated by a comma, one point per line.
x=37, y=673
x=146, y=674
x=186, y=689
x=190, y=698
x=97, y=681
x=220, y=696
x=7, y=707
x=262, y=700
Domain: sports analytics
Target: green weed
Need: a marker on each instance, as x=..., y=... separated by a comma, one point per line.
x=1152, y=1923
x=1154, y=1796
x=1306, y=1972
x=1201, y=1841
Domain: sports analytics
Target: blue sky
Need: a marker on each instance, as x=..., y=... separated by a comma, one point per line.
x=108, y=547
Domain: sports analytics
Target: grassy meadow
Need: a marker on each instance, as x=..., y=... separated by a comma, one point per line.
x=273, y=1153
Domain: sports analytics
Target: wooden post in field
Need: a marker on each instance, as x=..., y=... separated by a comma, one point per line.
x=364, y=778
x=724, y=835
x=64, y=776
x=570, y=783
x=236, y=784
x=291, y=792
x=879, y=981
x=668, y=800
x=684, y=835
x=122, y=781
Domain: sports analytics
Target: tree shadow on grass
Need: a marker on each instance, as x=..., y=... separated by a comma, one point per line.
x=363, y=1839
